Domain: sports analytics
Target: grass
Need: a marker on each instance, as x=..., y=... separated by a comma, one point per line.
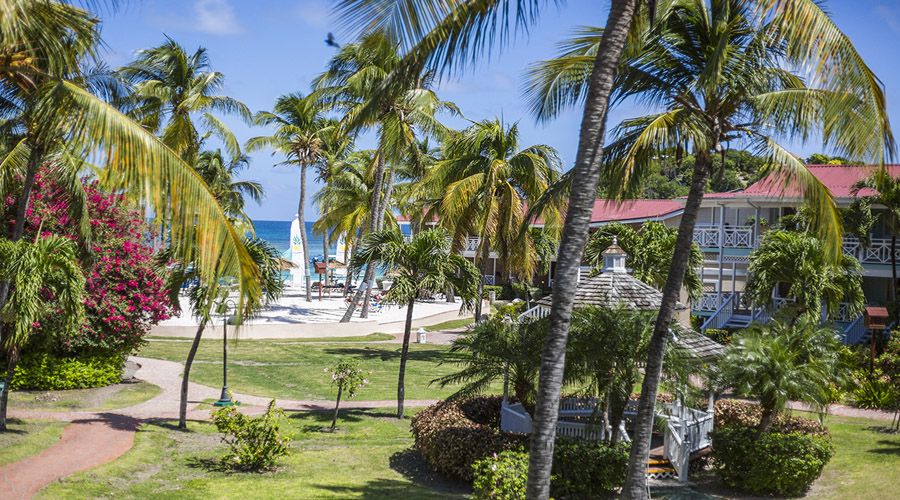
x=369, y=457
x=26, y=438
x=866, y=462
x=372, y=337
x=295, y=370
x=453, y=324
x=99, y=399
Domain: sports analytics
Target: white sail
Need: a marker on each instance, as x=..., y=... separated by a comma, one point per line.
x=298, y=273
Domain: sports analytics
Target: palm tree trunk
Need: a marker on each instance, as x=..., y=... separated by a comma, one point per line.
x=379, y=225
x=337, y=405
x=374, y=214
x=636, y=480
x=766, y=419
x=581, y=200
x=407, y=330
x=185, y=377
x=485, y=255
x=348, y=245
x=303, y=235
x=13, y=358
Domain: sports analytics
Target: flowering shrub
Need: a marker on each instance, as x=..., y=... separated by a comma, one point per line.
x=126, y=292
x=349, y=379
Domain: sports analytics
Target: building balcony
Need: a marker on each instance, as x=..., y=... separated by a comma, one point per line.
x=715, y=236
x=878, y=251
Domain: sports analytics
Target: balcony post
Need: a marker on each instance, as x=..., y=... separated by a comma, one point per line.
x=721, y=251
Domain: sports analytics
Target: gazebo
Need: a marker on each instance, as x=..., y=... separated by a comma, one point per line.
x=615, y=286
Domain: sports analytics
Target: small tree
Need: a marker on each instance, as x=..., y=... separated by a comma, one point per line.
x=423, y=265
x=40, y=273
x=256, y=443
x=348, y=377
x=784, y=361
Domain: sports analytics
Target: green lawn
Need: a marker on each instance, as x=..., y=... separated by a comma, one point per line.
x=99, y=399
x=368, y=457
x=866, y=463
x=288, y=369
x=23, y=439
x=372, y=337
x=453, y=324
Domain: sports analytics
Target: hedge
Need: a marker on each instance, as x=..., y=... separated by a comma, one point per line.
x=734, y=413
x=46, y=372
x=453, y=435
x=771, y=463
x=581, y=469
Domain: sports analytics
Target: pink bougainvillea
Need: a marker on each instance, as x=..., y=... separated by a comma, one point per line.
x=126, y=292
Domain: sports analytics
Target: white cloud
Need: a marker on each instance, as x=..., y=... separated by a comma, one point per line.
x=890, y=15
x=316, y=13
x=215, y=17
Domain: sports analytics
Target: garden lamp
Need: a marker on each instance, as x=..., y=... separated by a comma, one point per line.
x=225, y=398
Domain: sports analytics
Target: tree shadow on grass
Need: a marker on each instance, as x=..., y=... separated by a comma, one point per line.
x=882, y=429
x=888, y=447
x=412, y=466
x=390, y=354
x=344, y=416
x=383, y=489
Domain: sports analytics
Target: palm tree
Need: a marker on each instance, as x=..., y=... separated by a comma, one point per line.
x=301, y=131
x=218, y=172
x=352, y=84
x=203, y=298
x=887, y=194
x=722, y=72
x=425, y=265
x=487, y=184
x=799, y=262
x=649, y=250
x=56, y=117
x=35, y=269
x=784, y=361
x=497, y=349
x=170, y=87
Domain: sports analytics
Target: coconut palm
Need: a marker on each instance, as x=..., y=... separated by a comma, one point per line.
x=407, y=113
x=710, y=95
x=424, y=265
x=36, y=270
x=784, y=361
x=497, y=349
x=649, y=250
x=49, y=100
x=206, y=300
x=799, y=263
x=887, y=195
x=219, y=172
x=487, y=184
x=170, y=88
x=301, y=130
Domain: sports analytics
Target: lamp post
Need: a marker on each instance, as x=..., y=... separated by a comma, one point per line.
x=225, y=398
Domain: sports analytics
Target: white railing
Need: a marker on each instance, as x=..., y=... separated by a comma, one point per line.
x=580, y=430
x=472, y=244
x=538, y=311
x=514, y=418
x=878, y=251
x=488, y=279
x=676, y=450
x=707, y=302
x=577, y=406
x=721, y=316
x=713, y=235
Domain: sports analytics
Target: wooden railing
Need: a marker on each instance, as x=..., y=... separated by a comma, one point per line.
x=854, y=332
x=721, y=316
x=878, y=251
x=713, y=235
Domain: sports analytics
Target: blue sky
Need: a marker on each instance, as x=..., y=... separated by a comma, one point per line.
x=267, y=48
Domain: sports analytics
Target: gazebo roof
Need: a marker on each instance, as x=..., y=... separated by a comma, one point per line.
x=610, y=289
x=695, y=343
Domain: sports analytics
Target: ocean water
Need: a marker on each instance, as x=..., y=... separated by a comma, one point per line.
x=278, y=233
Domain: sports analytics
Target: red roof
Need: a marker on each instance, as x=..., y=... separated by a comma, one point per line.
x=634, y=210
x=839, y=179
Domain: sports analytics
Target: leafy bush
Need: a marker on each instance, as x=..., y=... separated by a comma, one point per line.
x=255, y=442
x=497, y=289
x=453, y=435
x=502, y=476
x=46, y=372
x=734, y=413
x=875, y=393
x=581, y=469
x=584, y=469
x=721, y=336
x=770, y=462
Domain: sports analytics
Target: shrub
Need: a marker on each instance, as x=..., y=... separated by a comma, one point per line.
x=734, y=413
x=497, y=289
x=719, y=335
x=771, y=462
x=255, y=442
x=875, y=393
x=453, y=435
x=43, y=371
x=501, y=477
x=585, y=469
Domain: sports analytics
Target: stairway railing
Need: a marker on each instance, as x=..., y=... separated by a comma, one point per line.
x=721, y=316
x=855, y=331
